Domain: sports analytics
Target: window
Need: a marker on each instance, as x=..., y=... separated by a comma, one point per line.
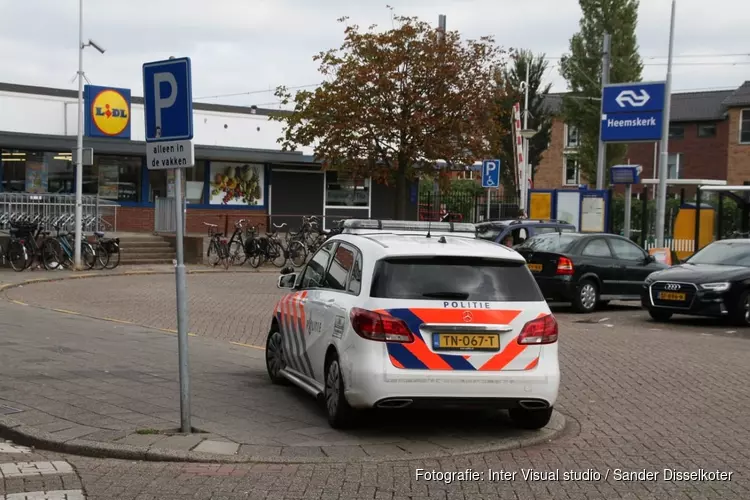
x=344, y=190
x=674, y=164
x=119, y=177
x=706, y=130
x=598, y=248
x=355, y=280
x=677, y=132
x=555, y=243
x=745, y=126
x=316, y=268
x=572, y=172
x=44, y=172
x=342, y=263
x=453, y=279
x=571, y=136
x=626, y=250
x=489, y=232
x=723, y=253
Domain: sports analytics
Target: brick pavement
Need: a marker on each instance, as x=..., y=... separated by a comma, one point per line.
x=29, y=474
x=83, y=383
x=640, y=396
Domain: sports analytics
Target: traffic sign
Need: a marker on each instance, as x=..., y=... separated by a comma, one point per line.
x=633, y=97
x=628, y=127
x=490, y=173
x=625, y=174
x=168, y=100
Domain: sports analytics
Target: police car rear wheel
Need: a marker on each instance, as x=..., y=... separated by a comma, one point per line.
x=340, y=414
x=530, y=419
x=275, y=356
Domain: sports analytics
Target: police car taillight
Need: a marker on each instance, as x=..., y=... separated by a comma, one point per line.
x=539, y=331
x=379, y=327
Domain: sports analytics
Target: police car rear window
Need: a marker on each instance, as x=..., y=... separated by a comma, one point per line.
x=454, y=278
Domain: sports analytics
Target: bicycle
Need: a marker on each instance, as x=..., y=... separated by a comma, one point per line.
x=255, y=246
x=58, y=250
x=218, y=247
x=237, y=244
x=15, y=253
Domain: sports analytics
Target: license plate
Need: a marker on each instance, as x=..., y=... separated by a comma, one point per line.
x=674, y=296
x=535, y=267
x=466, y=342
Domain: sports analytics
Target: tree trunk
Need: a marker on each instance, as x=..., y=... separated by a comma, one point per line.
x=402, y=192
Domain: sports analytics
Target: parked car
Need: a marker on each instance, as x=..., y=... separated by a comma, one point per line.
x=714, y=282
x=587, y=270
x=520, y=229
x=395, y=314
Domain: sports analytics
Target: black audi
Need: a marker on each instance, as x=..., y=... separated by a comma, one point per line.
x=714, y=282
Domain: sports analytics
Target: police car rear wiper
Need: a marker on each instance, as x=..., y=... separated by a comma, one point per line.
x=446, y=295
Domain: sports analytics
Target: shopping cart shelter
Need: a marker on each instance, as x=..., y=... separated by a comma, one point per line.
x=239, y=173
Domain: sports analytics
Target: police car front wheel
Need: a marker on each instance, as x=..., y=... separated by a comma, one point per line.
x=275, y=356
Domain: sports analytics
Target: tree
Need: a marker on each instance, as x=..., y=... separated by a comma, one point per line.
x=395, y=102
x=582, y=70
x=540, y=118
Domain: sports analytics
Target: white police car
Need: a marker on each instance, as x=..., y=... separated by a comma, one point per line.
x=394, y=314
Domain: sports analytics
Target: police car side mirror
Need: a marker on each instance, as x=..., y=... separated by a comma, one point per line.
x=287, y=281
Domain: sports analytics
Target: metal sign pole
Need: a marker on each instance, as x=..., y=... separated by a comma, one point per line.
x=661, y=194
x=182, y=316
x=489, y=197
x=628, y=206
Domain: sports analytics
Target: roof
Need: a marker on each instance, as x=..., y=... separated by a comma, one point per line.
x=740, y=97
x=73, y=94
x=508, y=222
x=388, y=244
x=708, y=105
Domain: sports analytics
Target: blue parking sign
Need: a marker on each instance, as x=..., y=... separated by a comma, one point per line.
x=490, y=173
x=168, y=100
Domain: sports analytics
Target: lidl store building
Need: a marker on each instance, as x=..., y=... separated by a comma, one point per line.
x=240, y=171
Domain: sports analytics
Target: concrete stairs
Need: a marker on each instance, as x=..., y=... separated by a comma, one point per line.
x=145, y=248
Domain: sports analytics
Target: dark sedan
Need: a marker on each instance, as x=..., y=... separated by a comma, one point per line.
x=715, y=282
x=587, y=269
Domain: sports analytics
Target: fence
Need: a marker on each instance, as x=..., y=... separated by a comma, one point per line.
x=49, y=206
x=465, y=206
x=673, y=244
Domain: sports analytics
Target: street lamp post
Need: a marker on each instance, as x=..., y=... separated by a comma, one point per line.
x=79, y=141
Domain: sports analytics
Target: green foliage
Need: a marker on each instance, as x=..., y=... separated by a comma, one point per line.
x=582, y=70
x=540, y=118
x=395, y=102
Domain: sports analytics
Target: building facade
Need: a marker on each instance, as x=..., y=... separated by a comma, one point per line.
x=240, y=171
x=709, y=138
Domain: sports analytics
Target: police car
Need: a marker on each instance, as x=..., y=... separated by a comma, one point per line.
x=395, y=314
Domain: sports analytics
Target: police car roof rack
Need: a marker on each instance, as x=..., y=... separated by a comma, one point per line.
x=357, y=225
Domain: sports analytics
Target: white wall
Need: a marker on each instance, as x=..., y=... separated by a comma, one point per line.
x=36, y=114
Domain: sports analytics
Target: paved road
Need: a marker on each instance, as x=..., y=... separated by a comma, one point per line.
x=236, y=306
x=639, y=396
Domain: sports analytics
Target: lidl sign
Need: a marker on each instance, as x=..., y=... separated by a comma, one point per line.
x=107, y=112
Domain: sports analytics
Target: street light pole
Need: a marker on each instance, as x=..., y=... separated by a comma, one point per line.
x=661, y=197
x=601, y=159
x=79, y=145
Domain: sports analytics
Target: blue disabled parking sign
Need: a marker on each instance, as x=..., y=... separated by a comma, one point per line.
x=490, y=173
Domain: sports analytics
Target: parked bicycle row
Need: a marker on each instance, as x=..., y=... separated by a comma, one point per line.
x=31, y=245
x=248, y=244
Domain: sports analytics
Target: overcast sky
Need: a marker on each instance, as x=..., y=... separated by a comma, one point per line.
x=250, y=46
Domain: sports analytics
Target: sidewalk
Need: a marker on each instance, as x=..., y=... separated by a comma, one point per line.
x=8, y=276
x=93, y=387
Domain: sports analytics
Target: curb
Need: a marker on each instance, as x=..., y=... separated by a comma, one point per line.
x=28, y=436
